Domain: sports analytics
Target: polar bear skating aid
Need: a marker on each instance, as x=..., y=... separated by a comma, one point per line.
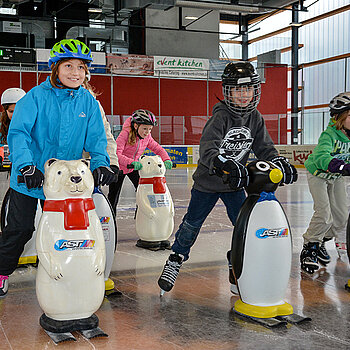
x=155, y=208
x=71, y=251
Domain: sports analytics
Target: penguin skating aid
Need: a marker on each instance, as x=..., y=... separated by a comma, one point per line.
x=262, y=250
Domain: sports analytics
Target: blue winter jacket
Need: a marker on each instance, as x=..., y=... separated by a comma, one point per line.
x=55, y=123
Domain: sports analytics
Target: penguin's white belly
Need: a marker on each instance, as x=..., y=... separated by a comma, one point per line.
x=80, y=292
x=267, y=256
x=157, y=227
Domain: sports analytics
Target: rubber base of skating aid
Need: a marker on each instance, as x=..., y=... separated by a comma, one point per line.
x=158, y=245
x=294, y=318
x=93, y=333
x=113, y=293
x=60, y=337
x=270, y=322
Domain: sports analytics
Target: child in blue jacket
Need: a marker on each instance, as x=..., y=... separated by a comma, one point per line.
x=57, y=119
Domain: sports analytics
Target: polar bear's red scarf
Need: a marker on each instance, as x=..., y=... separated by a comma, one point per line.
x=75, y=211
x=157, y=182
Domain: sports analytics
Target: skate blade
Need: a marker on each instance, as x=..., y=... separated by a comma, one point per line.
x=162, y=292
x=294, y=318
x=60, y=337
x=271, y=322
x=93, y=333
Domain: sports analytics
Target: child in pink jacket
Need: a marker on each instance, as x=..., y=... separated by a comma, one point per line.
x=132, y=141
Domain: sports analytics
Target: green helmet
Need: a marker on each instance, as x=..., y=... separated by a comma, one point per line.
x=70, y=48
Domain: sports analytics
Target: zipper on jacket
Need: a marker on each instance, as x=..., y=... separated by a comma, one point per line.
x=137, y=148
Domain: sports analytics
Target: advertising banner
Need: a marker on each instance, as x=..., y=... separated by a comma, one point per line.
x=130, y=64
x=178, y=155
x=181, y=67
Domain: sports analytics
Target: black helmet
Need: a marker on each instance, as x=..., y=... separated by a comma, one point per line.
x=340, y=103
x=143, y=116
x=240, y=75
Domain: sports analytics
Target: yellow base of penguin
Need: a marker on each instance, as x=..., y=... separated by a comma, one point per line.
x=263, y=311
x=28, y=260
x=109, y=284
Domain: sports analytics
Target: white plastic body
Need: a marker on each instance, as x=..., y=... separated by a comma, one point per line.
x=70, y=282
x=267, y=261
x=155, y=211
x=104, y=212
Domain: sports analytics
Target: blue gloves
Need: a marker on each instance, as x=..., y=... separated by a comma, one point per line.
x=33, y=177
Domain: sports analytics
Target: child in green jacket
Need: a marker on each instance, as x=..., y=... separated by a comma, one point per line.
x=326, y=165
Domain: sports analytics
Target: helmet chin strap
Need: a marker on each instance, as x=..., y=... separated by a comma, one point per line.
x=137, y=132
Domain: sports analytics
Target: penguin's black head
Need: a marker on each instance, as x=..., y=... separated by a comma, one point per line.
x=263, y=176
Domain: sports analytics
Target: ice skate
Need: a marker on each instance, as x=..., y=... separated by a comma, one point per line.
x=4, y=285
x=322, y=254
x=171, y=269
x=308, y=257
x=233, y=287
x=340, y=247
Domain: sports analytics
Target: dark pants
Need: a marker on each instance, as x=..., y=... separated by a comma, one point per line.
x=18, y=230
x=116, y=187
x=201, y=204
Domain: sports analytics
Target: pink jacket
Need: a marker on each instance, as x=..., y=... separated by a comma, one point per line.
x=130, y=153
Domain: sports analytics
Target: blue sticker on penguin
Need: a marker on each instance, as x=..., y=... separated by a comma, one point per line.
x=263, y=233
x=64, y=244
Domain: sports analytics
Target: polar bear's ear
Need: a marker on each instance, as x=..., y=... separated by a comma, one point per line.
x=143, y=156
x=50, y=161
x=85, y=162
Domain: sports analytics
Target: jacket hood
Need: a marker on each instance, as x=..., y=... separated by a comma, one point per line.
x=127, y=123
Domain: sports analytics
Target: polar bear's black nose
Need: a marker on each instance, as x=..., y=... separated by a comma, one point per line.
x=75, y=179
x=160, y=165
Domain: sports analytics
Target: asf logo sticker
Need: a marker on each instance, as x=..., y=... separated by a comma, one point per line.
x=64, y=244
x=271, y=233
x=236, y=143
x=104, y=219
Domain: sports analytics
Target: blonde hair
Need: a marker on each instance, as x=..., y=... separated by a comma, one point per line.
x=54, y=73
x=132, y=135
x=339, y=120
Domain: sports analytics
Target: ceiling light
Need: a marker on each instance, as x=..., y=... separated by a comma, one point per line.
x=94, y=10
x=191, y=17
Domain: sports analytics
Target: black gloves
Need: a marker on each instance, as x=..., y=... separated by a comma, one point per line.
x=33, y=177
x=339, y=166
x=104, y=175
x=232, y=172
x=115, y=169
x=290, y=174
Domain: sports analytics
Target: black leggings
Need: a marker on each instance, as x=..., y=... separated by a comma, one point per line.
x=116, y=187
x=18, y=231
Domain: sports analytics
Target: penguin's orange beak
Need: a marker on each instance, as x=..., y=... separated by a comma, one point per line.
x=276, y=175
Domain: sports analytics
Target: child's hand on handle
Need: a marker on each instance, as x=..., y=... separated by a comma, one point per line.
x=339, y=166
x=137, y=165
x=290, y=174
x=168, y=164
x=32, y=176
x=103, y=175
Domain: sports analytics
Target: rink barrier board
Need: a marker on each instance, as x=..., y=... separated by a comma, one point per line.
x=187, y=155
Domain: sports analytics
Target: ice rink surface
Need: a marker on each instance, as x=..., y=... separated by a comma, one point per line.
x=197, y=313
